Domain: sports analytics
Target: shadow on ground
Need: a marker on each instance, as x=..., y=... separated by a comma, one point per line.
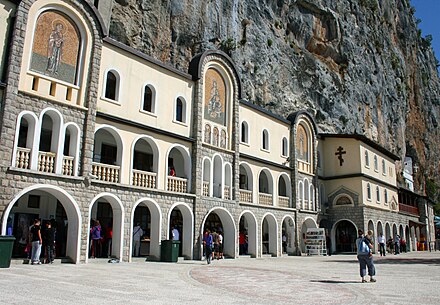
x=335, y=282
x=397, y=261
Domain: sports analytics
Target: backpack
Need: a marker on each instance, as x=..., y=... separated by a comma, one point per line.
x=362, y=246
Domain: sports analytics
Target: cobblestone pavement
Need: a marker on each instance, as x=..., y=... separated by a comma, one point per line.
x=412, y=278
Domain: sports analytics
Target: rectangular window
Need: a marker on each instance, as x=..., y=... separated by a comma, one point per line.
x=108, y=154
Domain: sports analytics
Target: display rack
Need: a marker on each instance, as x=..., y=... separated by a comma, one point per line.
x=315, y=242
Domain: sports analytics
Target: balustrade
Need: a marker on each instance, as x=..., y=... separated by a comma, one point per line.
x=144, y=179
x=68, y=163
x=46, y=162
x=246, y=196
x=106, y=172
x=176, y=184
x=265, y=199
x=23, y=158
x=283, y=201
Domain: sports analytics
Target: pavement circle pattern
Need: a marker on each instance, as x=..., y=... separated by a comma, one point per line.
x=271, y=285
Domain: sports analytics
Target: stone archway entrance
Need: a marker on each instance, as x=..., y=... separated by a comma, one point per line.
x=50, y=204
x=345, y=237
x=181, y=218
x=269, y=235
x=308, y=223
x=288, y=236
x=248, y=232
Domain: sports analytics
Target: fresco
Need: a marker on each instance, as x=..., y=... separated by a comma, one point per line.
x=215, y=97
x=56, y=47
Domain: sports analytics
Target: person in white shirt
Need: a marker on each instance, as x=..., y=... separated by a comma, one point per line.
x=381, y=240
x=176, y=234
x=137, y=234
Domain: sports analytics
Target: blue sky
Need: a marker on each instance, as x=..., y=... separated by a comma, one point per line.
x=429, y=12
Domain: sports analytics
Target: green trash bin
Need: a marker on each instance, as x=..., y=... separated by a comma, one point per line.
x=169, y=251
x=6, y=246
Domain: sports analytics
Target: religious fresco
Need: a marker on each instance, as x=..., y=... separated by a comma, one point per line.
x=215, y=97
x=56, y=47
x=301, y=143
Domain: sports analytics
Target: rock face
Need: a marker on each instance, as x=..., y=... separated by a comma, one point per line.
x=360, y=66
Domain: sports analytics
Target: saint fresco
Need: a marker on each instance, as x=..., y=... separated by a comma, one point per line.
x=215, y=97
x=56, y=47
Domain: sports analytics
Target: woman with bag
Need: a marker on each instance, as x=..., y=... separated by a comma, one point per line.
x=365, y=255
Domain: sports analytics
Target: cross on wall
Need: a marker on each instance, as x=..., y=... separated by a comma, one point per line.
x=339, y=152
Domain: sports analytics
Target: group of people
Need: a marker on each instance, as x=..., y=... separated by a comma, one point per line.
x=38, y=239
x=396, y=245
x=100, y=239
x=213, y=244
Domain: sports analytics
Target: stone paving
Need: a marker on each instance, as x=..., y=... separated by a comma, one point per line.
x=412, y=278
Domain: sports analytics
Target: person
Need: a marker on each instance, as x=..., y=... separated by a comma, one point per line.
x=284, y=242
x=328, y=243
x=381, y=241
x=49, y=242
x=137, y=234
x=220, y=245
x=9, y=227
x=109, y=238
x=365, y=255
x=175, y=233
x=207, y=243
x=215, y=241
x=396, y=244
x=36, y=240
x=95, y=235
x=402, y=245
x=242, y=243
x=172, y=172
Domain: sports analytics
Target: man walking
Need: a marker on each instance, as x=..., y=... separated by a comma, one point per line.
x=381, y=240
x=137, y=234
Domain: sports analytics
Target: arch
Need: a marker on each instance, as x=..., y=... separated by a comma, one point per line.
x=285, y=188
x=187, y=234
x=149, y=97
x=394, y=230
x=71, y=134
x=377, y=194
x=288, y=226
x=308, y=223
x=156, y=226
x=367, y=158
x=387, y=231
x=228, y=181
x=301, y=194
x=72, y=209
x=112, y=85
x=376, y=164
x=229, y=229
x=118, y=222
x=26, y=138
x=265, y=187
x=384, y=168
x=217, y=175
x=312, y=197
x=371, y=227
x=368, y=191
x=206, y=177
x=345, y=236
x=265, y=140
x=408, y=238
x=244, y=132
x=246, y=177
x=208, y=133
x=180, y=111
x=269, y=239
x=380, y=228
x=342, y=200
x=141, y=160
x=252, y=231
x=284, y=147
x=50, y=140
x=119, y=144
x=182, y=167
x=306, y=194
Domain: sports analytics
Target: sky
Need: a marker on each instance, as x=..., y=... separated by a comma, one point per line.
x=429, y=12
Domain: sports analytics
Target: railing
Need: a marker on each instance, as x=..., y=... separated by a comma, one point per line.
x=22, y=159
x=283, y=201
x=178, y=185
x=144, y=179
x=205, y=191
x=408, y=209
x=106, y=172
x=46, y=162
x=265, y=199
x=304, y=166
x=68, y=162
x=227, y=193
x=246, y=196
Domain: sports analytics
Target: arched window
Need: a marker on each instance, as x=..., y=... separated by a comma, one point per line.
x=367, y=159
x=180, y=110
x=376, y=165
x=368, y=191
x=265, y=140
x=244, y=138
x=284, y=147
x=148, y=102
x=301, y=195
x=384, y=168
x=385, y=196
x=207, y=133
x=112, y=85
x=378, y=194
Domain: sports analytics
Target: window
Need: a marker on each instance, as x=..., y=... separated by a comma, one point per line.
x=376, y=165
x=368, y=191
x=384, y=168
x=378, y=194
x=284, y=147
x=385, y=195
x=265, y=140
x=367, y=159
x=343, y=200
x=319, y=159
x=180, y=110
x=148, y=101
x=244, y=137
x=112, y=85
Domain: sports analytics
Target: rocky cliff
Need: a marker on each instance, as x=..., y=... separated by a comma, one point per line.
x=360, y=66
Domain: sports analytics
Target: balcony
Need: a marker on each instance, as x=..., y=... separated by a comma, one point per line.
x=68, y=163
x=409, y=209
x=283, y=201
x=205, y=191
x=23, y=158
x=178, y=185
x=304, y=166
x=106, y=172
x=246, y=196
x=46, y=162
x=144, y=179
x=227, y=192
x=265, y=199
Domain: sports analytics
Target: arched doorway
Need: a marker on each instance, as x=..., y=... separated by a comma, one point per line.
x=288, y=236
x=220, y=219
x=371, y=227
x=248, y=231
x=308, y=223
x=345, y=237
x=387, y=231
x=48, y=203
x=181, y=218
x=146, y=213
x=269, y=235
x=108, y=210
x=407, y=237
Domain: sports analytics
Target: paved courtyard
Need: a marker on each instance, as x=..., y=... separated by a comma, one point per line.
x=412, y=278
